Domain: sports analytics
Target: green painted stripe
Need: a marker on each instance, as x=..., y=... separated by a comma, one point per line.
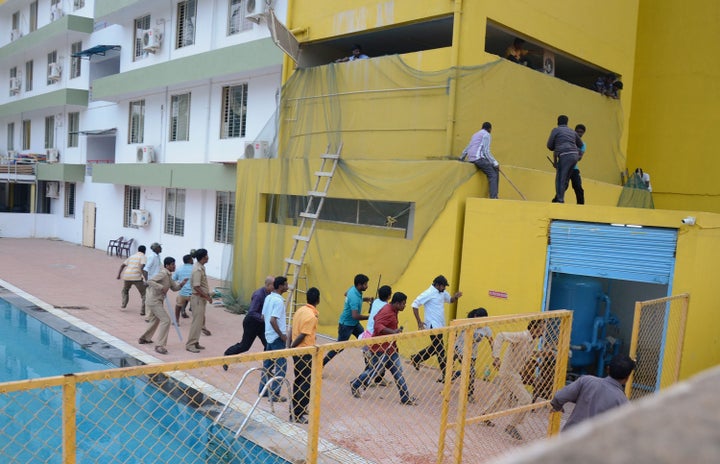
x=216, y=177
x=203, y=66
x=107, y=7
x=62, y=172
x=62, y=97
x=46, y=34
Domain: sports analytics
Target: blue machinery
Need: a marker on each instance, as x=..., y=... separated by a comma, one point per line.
x=589, y=342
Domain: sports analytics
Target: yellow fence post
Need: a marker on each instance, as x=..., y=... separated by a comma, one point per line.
x=633, y=345
x=563, y=354
x=68, y=419
x=314, y=408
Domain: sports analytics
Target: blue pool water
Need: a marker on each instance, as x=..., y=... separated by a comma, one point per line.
x=118, y=420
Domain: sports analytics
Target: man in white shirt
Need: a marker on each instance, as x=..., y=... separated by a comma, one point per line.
x=153, y=265
x=275, y=336
x=478, y=153
x=434, y=299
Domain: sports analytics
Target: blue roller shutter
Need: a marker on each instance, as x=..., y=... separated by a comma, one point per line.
x=638, y=254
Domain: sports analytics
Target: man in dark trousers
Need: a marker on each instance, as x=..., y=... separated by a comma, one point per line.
x=565, y=144
x=594, y=395
x=253, y=324
x=575, y=178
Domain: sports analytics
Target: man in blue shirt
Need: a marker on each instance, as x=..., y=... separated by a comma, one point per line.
x=275, y=334
x=183, y=296
x=350, y=317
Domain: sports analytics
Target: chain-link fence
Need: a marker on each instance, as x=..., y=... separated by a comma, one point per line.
x=368, y=404
x=657, y=342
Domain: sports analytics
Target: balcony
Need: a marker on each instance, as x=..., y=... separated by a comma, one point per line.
x=68, y=27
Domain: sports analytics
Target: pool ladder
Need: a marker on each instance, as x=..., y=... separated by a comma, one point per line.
x=257, y=401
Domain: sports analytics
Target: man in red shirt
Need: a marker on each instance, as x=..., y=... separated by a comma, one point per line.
x=386, y=354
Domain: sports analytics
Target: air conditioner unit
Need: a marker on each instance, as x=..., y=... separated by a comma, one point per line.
x=548, y=63
x=151, y=40
x=15, y=84
x=53, y=155
x=257, y=149
x=255, y=10
x=52, y=189
x=56, y=12
x=145, y=154
x=54, y=72
x=140, y=217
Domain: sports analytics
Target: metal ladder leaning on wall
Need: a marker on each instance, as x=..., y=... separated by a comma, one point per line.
x=306, y=228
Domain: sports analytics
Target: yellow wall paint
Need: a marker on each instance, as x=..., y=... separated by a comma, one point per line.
x=675, y=103
x=511, y=258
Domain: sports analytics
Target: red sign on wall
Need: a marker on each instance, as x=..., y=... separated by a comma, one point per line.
x=496, y=294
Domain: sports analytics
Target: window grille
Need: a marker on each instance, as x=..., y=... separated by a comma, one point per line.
x=136, y=123
x=186, y=17
x=234, y=111
x=51, y=58
x=16, y=20
x=225, y=217
x=11, y=136
x=75, y=61
x=141, y=24
x=175, y=211
x=132, y=201
x=50, y=132
x=73, y=129
x=77, y=4
x=28, y=75
x=13, y=75
x=27, y=126
x=237, y=22
x=69, y=199
x=180, y=117
x=385, y=214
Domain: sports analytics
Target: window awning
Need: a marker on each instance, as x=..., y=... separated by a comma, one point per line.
x=98, y=132
x=96, y=50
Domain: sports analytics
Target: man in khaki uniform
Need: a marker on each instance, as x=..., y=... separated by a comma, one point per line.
x=198, y=300
x=158, y=287
x=133, y=273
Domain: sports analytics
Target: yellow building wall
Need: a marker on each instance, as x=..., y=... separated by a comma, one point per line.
x=675, y=103
x=511, y=257
x=604, y=37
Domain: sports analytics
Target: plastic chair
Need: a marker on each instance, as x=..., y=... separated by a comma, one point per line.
x=125, y=247
x=113, y=245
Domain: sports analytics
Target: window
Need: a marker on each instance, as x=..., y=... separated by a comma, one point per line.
x=234, y=111
x=16, y=20
x=236, y=17
x=69, y=199
x=33, y=16
x=175, y=211
x=224, y=217
x=28, y=76
x=52, y=67
x=75, y=61
x=26, y=134
x=13, y=77
x=180, y=117
x=136, y=125
x=11, y=136
x=79, y=4
x=55, y=10
x=73, y=129
x=50, y=132
x=186, y=17
x=132, y=201
x=386, y=214
x=141, y=24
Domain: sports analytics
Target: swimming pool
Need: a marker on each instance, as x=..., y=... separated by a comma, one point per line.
x=127, y=420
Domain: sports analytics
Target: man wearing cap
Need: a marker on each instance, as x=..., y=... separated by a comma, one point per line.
x=153, y=265
x=434, y=299
x=198, y=300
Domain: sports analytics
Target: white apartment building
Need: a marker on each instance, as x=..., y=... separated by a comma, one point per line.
x=126, y=118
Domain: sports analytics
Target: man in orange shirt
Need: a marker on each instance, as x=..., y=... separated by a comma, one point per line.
x=304, y=328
